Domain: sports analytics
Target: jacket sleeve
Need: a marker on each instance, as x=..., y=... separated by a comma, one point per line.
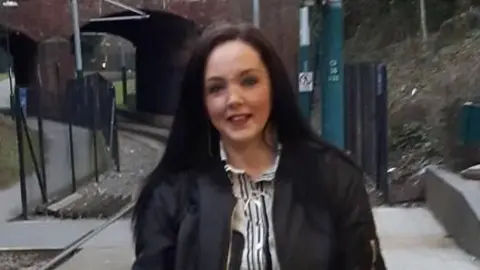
x=358, y=243
x=155, y=231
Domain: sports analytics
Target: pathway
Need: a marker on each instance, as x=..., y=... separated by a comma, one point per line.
x=5, y=94
x=411, y=240
x=57, y=159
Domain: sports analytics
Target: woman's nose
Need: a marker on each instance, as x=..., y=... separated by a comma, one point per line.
x=234, y=97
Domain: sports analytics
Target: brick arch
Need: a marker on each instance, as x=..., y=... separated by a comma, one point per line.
x=159, y=22
x=43, y=19
x=200, y=12
x=9, y=23
x=161, y=42
x=23, y=50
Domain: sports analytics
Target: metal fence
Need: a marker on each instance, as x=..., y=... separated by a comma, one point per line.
x=92, y=106
x=83, y=116
x=366, y=120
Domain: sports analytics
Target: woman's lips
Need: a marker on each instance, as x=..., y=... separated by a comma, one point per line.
x=239, y=119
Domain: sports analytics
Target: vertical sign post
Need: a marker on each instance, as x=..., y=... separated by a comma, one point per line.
x=333, y=108
x=256, y=13
x=305, y=75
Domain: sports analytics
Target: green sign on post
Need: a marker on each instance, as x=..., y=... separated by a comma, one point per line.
x=305, y=75
x=333, y=122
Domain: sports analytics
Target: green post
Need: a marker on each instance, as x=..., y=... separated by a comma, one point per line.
x=333, y=108
x=305, y=74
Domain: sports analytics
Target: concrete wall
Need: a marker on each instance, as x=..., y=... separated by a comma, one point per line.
x=58, y=167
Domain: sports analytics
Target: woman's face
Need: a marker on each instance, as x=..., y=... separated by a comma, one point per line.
x=237, y=92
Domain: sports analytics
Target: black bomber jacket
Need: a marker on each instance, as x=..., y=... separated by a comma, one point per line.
x=327, y=226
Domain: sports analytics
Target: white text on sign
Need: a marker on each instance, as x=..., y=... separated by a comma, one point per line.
x=333, y=74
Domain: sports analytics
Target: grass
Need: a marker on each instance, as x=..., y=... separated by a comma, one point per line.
x=3, y=76
x=9, y=166
x=119, y=89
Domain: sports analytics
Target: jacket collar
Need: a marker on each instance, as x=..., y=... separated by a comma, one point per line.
x=217, y=203
x=266, y=176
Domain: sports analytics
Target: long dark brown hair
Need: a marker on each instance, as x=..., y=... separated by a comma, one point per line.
x=193, y=142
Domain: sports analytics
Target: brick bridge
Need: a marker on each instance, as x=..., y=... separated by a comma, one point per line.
x=41, y=31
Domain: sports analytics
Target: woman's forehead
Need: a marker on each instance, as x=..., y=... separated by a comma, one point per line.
x=232, y=57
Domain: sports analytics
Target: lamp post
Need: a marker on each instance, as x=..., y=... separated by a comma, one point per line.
x=256, y=13
x=77, y=40
x=9, y=4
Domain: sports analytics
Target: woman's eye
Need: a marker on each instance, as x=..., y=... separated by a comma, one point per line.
x=215, y=88
x=249, y=81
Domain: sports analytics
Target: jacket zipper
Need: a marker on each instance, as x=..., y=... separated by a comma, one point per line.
x=227, y=264
x=373, y=245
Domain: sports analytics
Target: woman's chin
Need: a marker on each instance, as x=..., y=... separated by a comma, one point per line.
x=241, y=136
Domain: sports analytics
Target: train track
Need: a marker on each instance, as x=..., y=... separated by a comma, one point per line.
x=137, y=129
x=70, y=250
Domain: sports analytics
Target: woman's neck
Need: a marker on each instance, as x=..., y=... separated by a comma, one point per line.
x=255, y=157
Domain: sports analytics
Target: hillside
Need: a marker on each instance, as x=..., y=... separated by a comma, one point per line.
x=428, y=82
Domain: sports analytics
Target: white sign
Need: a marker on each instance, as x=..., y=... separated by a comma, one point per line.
x=304, y=26
x=305, y=81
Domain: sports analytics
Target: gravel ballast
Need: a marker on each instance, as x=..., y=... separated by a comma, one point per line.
x=138, y=157
x=25, y=260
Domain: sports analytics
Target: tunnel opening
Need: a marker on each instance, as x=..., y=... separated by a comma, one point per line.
x=18, y=53
x=113, y=57
x=162, y=44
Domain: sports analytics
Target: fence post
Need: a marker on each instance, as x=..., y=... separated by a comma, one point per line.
x=369, y=140
x=70, y=111
x=93, y=100
x=40, y=130
x=382, y=132
x=34, y=158
x=124, y=77
x=21, y=160
x=114, y=131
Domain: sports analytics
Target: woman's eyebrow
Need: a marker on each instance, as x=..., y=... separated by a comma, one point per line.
x=241, y=73
x=249, y=70
x=214, y=78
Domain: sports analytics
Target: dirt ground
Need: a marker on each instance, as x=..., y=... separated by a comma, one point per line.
x=14, y=260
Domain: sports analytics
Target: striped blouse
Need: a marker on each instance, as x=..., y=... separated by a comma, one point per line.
x=252, y=216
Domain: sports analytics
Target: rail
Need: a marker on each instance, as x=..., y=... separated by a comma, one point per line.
x=75, y=246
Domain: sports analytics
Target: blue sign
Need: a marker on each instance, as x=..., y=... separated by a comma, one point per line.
x=23, y=97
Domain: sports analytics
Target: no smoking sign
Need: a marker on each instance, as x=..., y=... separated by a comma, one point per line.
x=305, y=81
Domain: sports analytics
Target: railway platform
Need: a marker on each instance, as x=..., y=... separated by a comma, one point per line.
x=411, y=239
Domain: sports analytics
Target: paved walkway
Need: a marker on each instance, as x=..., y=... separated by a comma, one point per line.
x=57, y=159
x=411, y=240
x=5, y=93
x=43, y=234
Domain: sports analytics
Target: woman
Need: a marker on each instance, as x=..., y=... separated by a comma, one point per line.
x=244, y=182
